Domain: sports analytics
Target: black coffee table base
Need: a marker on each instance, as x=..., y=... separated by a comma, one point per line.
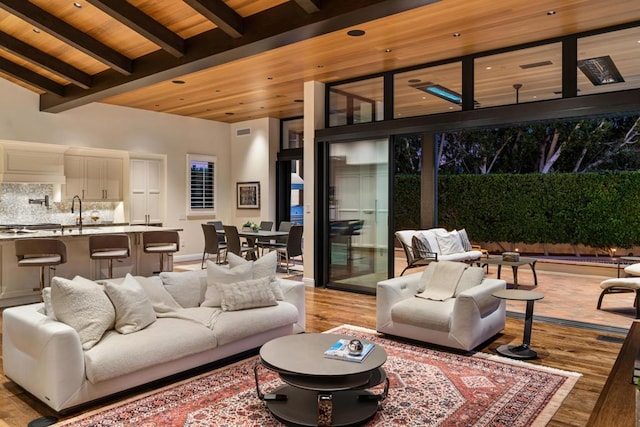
x=347, y=408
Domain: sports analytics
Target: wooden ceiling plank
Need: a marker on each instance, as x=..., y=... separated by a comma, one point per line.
x=45, y=21
x=44, y=60
x=220, y=14
x=309, y=6
x=30, y=77
x=143, y=24
x=276, y=27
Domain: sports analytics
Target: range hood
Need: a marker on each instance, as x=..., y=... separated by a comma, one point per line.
x=31, y=163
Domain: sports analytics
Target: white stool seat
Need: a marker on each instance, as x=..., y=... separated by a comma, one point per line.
x=162, y=248
x=116, y=253
x=43, y=260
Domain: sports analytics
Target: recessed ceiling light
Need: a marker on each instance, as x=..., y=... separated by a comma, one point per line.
x=37, y=31
x=178, y=82
x=356, y=33
x=456, y=34
x=78, y=5
x=551, y=12
x=488, y=68
x=387, y=50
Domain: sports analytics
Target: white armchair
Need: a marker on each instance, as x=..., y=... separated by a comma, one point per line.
x=463, y=322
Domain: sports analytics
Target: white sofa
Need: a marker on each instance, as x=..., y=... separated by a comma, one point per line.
x=46, y=356
x=441, y=245
x=464, y=321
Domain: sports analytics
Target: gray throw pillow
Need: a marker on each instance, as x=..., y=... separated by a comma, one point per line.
x=186, y=287
x=420, y=246
x=246, y=294
x=217, y=275
x=265, y=266
x=134, y=310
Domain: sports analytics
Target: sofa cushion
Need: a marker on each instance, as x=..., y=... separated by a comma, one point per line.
x=420, y=246
x=246, y=294
x=449, y=243
x=186, y=287
x=265, y=266
x=160, y=298
x=232, y=326
x=164, y=340
x=423, y=313
x=464, y=239
x=134, y=310
x=471, y=277
x=83, y=305
x=217, y=274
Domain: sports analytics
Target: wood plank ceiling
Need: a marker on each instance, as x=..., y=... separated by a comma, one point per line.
x=235, y=60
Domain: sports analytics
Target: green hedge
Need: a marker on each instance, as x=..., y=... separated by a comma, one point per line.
x=599, y=210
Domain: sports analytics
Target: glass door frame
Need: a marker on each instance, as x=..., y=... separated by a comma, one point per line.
x=322, y=244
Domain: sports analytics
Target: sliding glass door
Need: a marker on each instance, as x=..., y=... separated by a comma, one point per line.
x=358, y=176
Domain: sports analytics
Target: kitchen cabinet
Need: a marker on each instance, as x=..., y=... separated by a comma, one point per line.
x=145, y=183
x=93, y=178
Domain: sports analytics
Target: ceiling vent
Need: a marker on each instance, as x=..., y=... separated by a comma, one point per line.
x=243, y=132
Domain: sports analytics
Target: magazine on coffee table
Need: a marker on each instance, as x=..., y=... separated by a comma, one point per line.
x=340, y=351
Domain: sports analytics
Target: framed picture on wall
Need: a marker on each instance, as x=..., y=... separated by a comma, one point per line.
x=248, y=195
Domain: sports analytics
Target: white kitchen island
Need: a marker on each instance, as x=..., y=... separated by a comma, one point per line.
x=17, y=284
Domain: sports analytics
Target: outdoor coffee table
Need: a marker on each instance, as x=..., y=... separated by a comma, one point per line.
x=522, y=351
x=514, y=267
x=318, y=390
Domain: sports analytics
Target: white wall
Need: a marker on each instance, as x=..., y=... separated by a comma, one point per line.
x=112, y=127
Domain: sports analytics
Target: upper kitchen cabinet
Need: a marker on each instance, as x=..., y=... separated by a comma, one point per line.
x=93, y=177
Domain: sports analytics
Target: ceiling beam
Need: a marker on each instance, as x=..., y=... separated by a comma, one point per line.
x=44, y=60
x=273, y=28
x=58, y=28
x=143, y=24
x=309, y=6
x=29, y=77
x=220, y=14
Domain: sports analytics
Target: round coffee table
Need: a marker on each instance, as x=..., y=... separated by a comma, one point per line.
x=319, y=390
x=522, y=351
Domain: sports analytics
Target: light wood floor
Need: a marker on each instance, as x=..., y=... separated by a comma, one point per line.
x=563, y=347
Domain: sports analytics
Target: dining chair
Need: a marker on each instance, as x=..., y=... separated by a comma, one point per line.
x=293, y=247
x=220, y=230
x=233, y=243
x=212, y=244
x=271, y=244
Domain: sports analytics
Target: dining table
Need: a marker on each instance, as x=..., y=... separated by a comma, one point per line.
x=252, y=236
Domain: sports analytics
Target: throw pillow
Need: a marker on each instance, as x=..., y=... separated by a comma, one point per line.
x=420, y=245
x=160, y=298
x=464, y=239
x=134, y=310
x=83, y=305
x=449, y=243
x=246, y=294
x=222, y=275
x=265, y=266
x=48, y=307
x=186, y=287
x=471, y=277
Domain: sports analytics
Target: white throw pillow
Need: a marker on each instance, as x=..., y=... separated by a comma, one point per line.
x=134, y=310
x=246, y=294
x=265, y=266
x=449, y=243
x=217, y=275
x=160, y=298
x=186, y=287
x=83, y=305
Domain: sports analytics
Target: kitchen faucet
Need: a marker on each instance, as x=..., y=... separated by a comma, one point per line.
x=73, y=203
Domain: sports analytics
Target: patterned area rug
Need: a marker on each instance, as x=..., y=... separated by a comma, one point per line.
x=428, y=388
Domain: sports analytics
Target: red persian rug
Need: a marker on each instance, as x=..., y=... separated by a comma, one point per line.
x=428, y=388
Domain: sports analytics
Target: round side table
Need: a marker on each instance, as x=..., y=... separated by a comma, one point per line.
x=522, y=351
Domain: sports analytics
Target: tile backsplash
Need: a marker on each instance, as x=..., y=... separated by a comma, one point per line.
x=16, y=209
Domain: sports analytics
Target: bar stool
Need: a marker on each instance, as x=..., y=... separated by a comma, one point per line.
x=40, y=253
x=109, y=247
x=161, y=242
